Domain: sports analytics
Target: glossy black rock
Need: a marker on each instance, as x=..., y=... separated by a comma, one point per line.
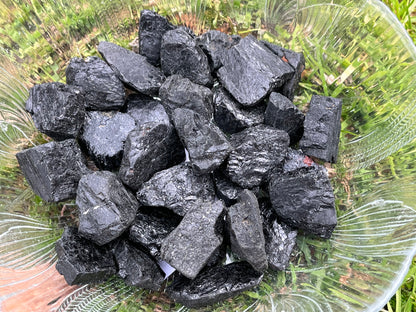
x=226, y=189
x=80, y=261
x=214, y=284
x=145, y=110
x=106, y=208
x=101, y=88
x=53, y=169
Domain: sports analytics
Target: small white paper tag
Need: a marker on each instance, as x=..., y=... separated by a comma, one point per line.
x=166, y=268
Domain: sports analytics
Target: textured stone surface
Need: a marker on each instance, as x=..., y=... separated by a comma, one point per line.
x=131, y=68
x=231, y=117
x=57, y=109
x=246, y=231
x=226, y=189
x=206, y=144
x=106, y=208
x=152, y=27
x=176, y=188
x=180, y=92
x=81, y=261
x=136, y=267
x=53, y=169
x=253, y=156
x=190, y=246
x=214, y=285
x=251, y=71
x=146, y=110
x=304, y=199
x=101, y=88
x=282, y=114
x=179, y=54
x=151, y=226
x=322, y=128
x=104, y=134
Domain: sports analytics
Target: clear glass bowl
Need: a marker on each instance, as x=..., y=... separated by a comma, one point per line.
x=356, y=50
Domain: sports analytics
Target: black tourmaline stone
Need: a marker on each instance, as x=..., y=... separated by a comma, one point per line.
x=246, y=231
x=53, y=169
x=214, y=285
x=206, y=144
x=176, y=188
x=190, y=246
x=106, y=208
x=282, y=114
x=322, y=128
x=57, y=109
x=132, y=68
x=180, y=55
x=80, y=261
x=136, y=267
x=254, y=156
x=151, y=226
x=303, y=198
x=101, y=88
x=226, y=189
x=104, y=134
x=231, y=117
x=251, y=71
x=145, y=109
x=152, y=27
x=179, y=92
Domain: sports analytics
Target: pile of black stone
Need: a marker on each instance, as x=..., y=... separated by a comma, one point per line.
x=199, y=158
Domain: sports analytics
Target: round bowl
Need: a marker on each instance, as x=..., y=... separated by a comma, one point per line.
x=355, y=50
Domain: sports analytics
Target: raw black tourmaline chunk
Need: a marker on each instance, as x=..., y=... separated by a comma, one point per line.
x=282, y=114
x=101, y=88
x=180, y=55
x=145, y=109
x=179, y=92
x=80, y=261
x=104, y=134
x=152, y=27
x=176, y=188
x=214, y=285
x=226, y=189
x=206, y=144
x=246, y=230
x=136, y=267
x=251, y=71
x=53, y=169
x=303, y=198
x=57, y=109
x=132, y=68
x=231, y=117
x=322, y=128
x=257, y=151
x=106, y=208
x=190, y=246
x=151, y=226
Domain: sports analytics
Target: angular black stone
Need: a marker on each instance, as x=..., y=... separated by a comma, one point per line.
x=57, y=109
x=146, y=110
x=304, y=199
x=53, y=169
x=282, y=114
x=231, y=117
x=106, y=208
x=190, y=246
x=179, y=92
x=136, y=267
x=226, y=189
x=246, y=230
x=101, y=88
x=214, y=285
x=176, y=188
x=206, y=144
x=80, y=261
x=322, y=128
x=104, y=134
x=152, y=27
x=132, y=68
x=296, y=160
x=254, y=156
x=151, y=226
x=251, y=71
x=179, y=54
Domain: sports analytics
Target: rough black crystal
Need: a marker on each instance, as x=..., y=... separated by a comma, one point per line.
x=226, y=189
x=145, y=109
